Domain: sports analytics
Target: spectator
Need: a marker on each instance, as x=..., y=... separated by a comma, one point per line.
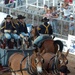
x=6, y=1
x=54, y=20
x=9, y=3
x=48, y=14
x=66, y=12
x=71, y=25
x=19, y=2
x=45, y=9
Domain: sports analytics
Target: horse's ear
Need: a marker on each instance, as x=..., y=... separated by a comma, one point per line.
x=67, y=53
x=43, y=52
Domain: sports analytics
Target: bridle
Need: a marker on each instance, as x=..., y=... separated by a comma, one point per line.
x=55, y=62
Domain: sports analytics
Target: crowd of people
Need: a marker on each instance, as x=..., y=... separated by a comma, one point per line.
x=53, y=14
x=10, y=2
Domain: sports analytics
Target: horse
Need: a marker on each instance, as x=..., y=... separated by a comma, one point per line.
x=37, y=63
x=25, y=65
x=53, y=62
x=48, y=45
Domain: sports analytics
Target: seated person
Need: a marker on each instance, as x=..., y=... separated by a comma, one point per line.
x=6, y=28
x=22, y=28
x=45, y=31
x=14, y=34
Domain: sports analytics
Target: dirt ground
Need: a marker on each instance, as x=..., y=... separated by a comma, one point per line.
x=71, y=65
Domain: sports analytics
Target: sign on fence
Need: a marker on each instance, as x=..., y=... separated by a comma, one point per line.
x=71, y=44
x=68, y=44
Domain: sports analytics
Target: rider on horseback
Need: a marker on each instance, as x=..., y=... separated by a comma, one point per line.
x=45, y=31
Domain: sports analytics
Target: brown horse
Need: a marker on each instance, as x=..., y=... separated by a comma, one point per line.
x=48, y=45
x=52, y=62
x=33, y=64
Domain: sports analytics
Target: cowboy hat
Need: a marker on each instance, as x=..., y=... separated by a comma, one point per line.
x=8, y=17
x=64, y=69
x=45, y=20
x=20, y=17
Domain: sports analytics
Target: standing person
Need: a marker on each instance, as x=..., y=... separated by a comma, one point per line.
x=22, y=28
x=54, y=20
x=45, y=31
x=6, y=1
x=66, y=12
x=20, y=2
x=45, y=9
x=71, y=25
x=6, y=28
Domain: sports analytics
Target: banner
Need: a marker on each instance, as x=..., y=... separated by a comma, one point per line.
x=71, y=44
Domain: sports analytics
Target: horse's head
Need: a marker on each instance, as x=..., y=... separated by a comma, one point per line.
x=34, y=32
x=62, y=58
x=37, y=62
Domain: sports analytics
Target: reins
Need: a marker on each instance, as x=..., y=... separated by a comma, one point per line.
x=54, y=60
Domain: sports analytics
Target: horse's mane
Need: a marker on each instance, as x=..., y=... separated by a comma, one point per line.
x=37, y=33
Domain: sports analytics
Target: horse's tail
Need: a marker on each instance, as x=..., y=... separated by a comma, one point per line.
x=60, y=43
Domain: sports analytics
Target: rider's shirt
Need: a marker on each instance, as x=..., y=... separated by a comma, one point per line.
x=22, y=28
x=45, y=29
x=7, y=26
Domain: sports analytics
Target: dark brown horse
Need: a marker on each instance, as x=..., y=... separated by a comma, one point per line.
x=54, y=62
x=33, y=64
x=48, y=45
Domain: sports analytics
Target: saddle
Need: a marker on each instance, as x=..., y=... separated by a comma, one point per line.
x=44, y=38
